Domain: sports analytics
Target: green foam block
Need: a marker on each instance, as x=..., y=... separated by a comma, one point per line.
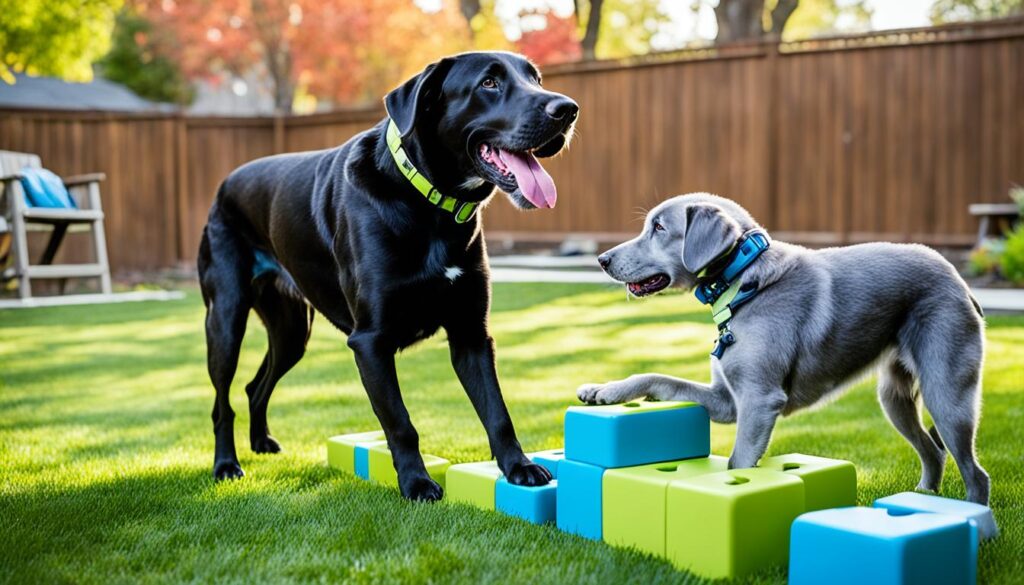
x=733, y=523
x=382, y=469
x=633, y=500
x=828, y=483
x=341, y=449
x=473, y=483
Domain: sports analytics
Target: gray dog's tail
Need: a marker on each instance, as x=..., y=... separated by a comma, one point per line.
x=977, y=305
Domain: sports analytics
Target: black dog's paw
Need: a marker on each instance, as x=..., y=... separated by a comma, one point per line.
x=422, y=489
x=227, y=470
x=529, y=474
x=265, y=444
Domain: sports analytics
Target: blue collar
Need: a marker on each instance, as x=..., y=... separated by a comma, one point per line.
x=717, y=276
x=723, y=291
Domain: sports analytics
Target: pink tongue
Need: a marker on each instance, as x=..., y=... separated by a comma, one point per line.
x=534, y=182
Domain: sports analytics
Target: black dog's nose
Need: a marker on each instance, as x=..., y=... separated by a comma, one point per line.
x=562, y=107
x=604, y=260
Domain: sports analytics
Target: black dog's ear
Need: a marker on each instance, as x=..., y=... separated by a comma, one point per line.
x=413, y=97
x=710, y=233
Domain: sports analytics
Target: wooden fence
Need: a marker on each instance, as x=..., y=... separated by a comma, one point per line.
x=886, y=136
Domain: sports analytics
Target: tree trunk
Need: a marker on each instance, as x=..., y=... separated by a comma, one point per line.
x=780, y=15
x=470, y=8
x=741, y=20
x=593, y=28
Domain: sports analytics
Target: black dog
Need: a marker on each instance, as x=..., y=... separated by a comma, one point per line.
x=381, y=236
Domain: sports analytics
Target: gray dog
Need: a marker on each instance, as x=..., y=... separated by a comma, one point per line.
x=820, y=318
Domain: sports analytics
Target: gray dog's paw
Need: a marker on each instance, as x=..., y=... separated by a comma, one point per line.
x=588, y=393
x=610, y=393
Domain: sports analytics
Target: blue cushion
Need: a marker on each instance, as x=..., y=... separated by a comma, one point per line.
x=45, y=189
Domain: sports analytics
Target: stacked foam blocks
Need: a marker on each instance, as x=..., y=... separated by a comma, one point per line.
x=641, y=475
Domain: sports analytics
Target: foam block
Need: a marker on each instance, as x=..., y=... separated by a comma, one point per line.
x=578, y=508
x=828, y=483
x=549, y=459
x=636, y=433
x=382, y=469
x=633, y=500
x=907, y=502
x=472, y=483
x=533, y=504
x=342, y=448
x=848, y=546
x=362, y=457
x=730, y=524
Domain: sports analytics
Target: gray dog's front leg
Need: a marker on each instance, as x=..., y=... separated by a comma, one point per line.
x=757, y=411
x=714, y=397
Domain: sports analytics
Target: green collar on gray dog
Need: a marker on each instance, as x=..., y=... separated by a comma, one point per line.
x=463, y=210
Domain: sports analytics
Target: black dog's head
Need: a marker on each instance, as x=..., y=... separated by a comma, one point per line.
x=490, y=113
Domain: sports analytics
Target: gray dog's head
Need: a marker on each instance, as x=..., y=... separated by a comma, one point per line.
x=680, y=237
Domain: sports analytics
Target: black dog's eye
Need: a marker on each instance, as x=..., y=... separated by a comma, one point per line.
x=489, y=83
x=658, y=227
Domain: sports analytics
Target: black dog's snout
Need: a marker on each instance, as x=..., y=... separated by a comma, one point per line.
x=561, y=108
x=604, y=260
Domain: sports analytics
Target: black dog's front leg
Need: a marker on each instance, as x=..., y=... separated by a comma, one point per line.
x=473, y=359
x=376, y=361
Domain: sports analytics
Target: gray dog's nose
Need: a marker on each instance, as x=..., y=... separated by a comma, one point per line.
x=604, y=260
x=562, y=107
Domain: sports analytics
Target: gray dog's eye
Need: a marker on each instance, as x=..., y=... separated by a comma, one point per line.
x=489, y=83
x=658, y=227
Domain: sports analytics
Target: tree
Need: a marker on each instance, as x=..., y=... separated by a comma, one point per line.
x=555, y=42
x=593, y=25
x=341, y=51
x=959, y=10
x=135, y=61
x=54, y=37
x=740, y=20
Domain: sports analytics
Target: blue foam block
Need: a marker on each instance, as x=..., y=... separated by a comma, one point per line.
x=907, y=502
x=548, y=459
x=636, y=433
x=362, y=462
x=851, y=546
x=579, y=498
x=533, y=504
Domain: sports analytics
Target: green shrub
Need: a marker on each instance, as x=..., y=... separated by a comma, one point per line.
x=1012, y=261
x=984, y=259
x=1017, y=194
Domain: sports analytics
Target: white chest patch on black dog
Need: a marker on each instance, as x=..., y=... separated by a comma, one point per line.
x=452, y=272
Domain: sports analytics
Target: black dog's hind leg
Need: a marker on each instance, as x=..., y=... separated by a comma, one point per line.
x=224, y=275
x=289, y=322
x=375, y=357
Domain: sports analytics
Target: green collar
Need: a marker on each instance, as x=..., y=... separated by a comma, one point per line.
x=721, y=309
x=463, y=210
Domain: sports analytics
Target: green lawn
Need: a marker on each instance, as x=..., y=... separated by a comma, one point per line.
x=106, y=447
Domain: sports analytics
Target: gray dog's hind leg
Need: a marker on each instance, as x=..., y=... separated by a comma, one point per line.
x=714, y=397
x=957, y=423
x=899, y=400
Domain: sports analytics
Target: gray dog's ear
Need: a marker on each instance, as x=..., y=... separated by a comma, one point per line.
x=710, y=232
x=412, y=98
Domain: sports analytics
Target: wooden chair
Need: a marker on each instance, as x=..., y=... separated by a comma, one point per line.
x=17, y=219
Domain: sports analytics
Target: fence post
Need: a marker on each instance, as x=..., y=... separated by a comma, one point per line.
x=181, y=192
x=772, y=65
x=278, y=133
